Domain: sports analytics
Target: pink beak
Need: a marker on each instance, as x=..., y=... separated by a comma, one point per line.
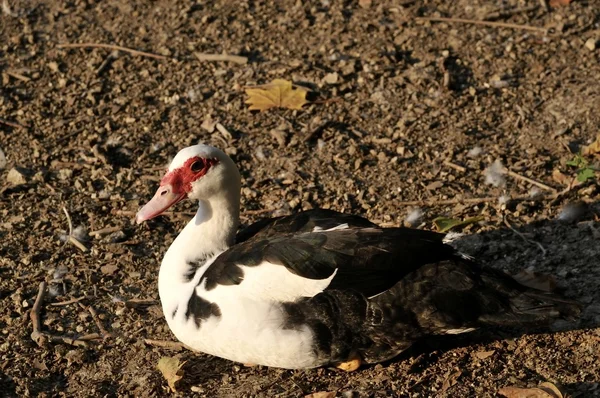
x=164, y=198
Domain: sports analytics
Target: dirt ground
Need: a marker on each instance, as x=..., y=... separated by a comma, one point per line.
x=405, y=110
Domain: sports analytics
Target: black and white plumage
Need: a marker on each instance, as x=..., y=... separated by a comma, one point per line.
x=318, y=287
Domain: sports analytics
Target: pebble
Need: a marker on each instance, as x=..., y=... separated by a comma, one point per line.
x=2, y=159
x=15, y=177
x=591, y=44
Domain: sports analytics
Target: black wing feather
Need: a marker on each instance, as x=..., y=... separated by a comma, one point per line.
x=368, y=259
x=305, y=221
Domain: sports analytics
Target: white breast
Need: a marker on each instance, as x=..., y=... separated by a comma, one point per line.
x=252, y=325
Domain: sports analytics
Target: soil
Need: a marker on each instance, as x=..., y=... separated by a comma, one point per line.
x=404, y=110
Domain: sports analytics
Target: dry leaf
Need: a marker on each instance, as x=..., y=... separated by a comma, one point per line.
x=561, y=177
x=451, y=380
x=445, y=224
x=545, y=283
x=321, y=394
x=170, y=367
x=593, y=148
x=277, y=94
x=545, y=390
x=559, y=3
x=483, y=354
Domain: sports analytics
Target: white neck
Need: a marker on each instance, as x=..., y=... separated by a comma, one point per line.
x=211, y=231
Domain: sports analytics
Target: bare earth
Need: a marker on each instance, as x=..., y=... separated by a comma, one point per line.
x=396, y=99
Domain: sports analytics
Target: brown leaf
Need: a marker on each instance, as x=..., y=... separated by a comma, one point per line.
x=559, y=3
x=483, y=354
x=451, y=380
x=545, y=390
x=593, y=148
x=277, y=94
x=545, y=283
x=561, y=177
x=170, y=367
x=321, y=394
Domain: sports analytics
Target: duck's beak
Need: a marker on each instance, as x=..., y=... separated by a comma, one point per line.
x=164, y=198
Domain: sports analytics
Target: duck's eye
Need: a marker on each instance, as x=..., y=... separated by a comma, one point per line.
x=197, y=166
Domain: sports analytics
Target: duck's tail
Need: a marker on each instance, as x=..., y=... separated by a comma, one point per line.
x=533, y=307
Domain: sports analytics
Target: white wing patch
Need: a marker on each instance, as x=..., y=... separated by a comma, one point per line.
x=270, y=282
x=337, y=228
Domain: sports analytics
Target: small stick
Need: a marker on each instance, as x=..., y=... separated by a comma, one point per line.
x=12, y=124
x=171, y=345
x=259, y=211
x=226, y=134
x=507, y=223
x=455, y=166
x=238, y=59
x=104, y=231
x=485, y=23
x=529, y=180
x=112, y=47
x=166, y=213
x=72, y=240
x=34, y=315
x=66, y=340
x=544, y=4
x=91, y=336
x=107, y=61
x=72, y=301
x=433, y=202
x=18, y=76
x=94, y=314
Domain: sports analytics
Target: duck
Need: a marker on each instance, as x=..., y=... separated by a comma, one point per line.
x=318, y=288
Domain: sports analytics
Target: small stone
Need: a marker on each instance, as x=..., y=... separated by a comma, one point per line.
x=591, y=43
x=53, y=66
x=2, y=159
x=16, y=177
x=331, y=78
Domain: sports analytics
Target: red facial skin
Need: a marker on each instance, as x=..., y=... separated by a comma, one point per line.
x=181, y=178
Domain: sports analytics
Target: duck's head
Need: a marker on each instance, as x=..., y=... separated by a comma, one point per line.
x=198, y=172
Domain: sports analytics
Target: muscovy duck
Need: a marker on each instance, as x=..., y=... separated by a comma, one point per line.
x=317, y=288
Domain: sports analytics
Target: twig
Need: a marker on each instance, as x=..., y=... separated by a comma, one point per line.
x=104, y=231
x=238, y=59
x=529, y=180
x=92, y=311
x=531, y=242
x=434, y=202
x=226, y=134
x=259, y=211
x=112, y=47
x=72, y=301
x=166, y=213
x=12, y=124
x=171, y=345
x=455, y=166
x=18, y=76
x=34, y=315
x=544, y=4
x=66, y=340
x=485, y=23
x=91, y=336
x=107, y=61
x=72, y=240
